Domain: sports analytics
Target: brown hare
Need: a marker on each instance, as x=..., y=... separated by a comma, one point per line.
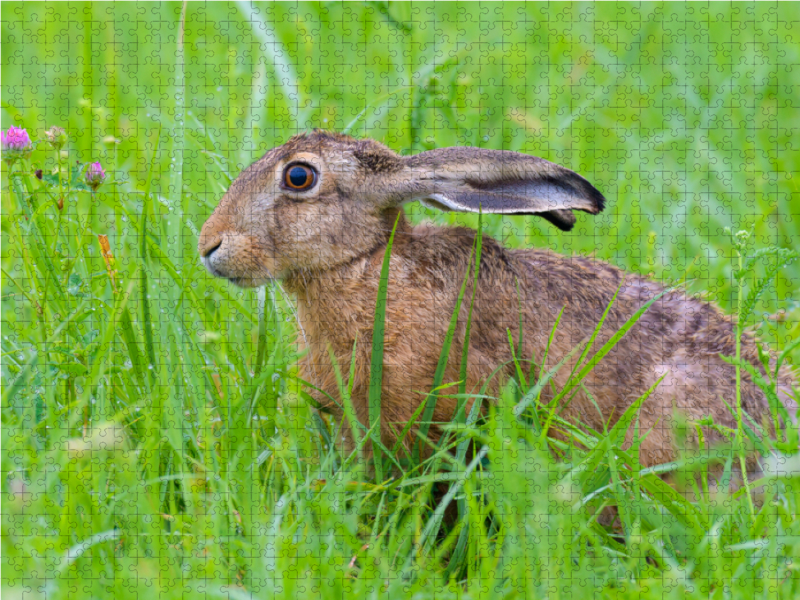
x=318, y=211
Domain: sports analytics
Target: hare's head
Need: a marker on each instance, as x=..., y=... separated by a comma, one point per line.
x=324, y=199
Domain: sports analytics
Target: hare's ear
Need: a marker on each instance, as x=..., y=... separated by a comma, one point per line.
x=496, y=181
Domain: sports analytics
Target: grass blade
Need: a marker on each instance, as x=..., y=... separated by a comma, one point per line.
x=438, y=376
x=147, y=323
x=262, y=331
x=607, y=347
x=376, y=364
x=462, y=388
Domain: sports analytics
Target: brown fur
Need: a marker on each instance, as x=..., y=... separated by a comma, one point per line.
x=328, y=245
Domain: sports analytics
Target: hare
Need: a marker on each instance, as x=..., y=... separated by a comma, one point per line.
x=317, y=213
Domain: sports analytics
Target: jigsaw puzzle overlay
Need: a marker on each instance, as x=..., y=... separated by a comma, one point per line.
x=389, y=359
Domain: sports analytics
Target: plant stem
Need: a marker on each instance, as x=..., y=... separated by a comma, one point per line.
x=39, y=305
x=739, y=414
x=60, y=199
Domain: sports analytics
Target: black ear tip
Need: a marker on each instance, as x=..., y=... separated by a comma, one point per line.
x=565, y=226
x=564, y=219
x=581, y=187
x=598, y=200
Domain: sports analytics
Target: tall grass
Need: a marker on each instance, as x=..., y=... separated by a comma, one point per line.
x=156, y=439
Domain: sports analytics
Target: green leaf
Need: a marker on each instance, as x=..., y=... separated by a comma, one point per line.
x=50, y=180
x=77, y=178
x=73, y=368
x=74, y=284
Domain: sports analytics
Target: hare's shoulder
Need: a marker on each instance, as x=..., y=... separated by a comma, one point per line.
x=444, y=253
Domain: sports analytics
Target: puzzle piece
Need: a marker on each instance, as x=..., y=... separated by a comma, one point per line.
x=208, y=389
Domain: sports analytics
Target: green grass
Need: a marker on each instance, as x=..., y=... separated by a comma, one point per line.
x=156, y=441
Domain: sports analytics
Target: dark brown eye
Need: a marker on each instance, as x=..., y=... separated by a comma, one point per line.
x=299, y=177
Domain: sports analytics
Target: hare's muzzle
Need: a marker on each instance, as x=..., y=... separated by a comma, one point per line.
x=234, y=255
x=216, y=247
x=208, y=247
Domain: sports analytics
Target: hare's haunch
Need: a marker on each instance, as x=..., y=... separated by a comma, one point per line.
x=317, y=212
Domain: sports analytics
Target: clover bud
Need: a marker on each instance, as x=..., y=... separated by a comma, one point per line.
x=95, y=175
x=16, y=144
x=56, y=136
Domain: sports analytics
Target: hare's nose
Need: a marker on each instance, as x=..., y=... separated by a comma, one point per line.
x=208, y=251
x=209, y=245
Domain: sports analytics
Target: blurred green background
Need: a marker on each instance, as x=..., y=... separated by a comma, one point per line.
x=685, y=116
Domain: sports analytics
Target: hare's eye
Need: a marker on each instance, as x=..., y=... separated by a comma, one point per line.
x=299, y=177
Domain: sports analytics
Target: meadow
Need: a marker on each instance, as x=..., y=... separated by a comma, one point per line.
x=156, y=441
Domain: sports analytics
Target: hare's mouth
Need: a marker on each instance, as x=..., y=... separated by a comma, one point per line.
x=208, y=263
x=237, y=258
x=246, y=281
x=240, y=281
